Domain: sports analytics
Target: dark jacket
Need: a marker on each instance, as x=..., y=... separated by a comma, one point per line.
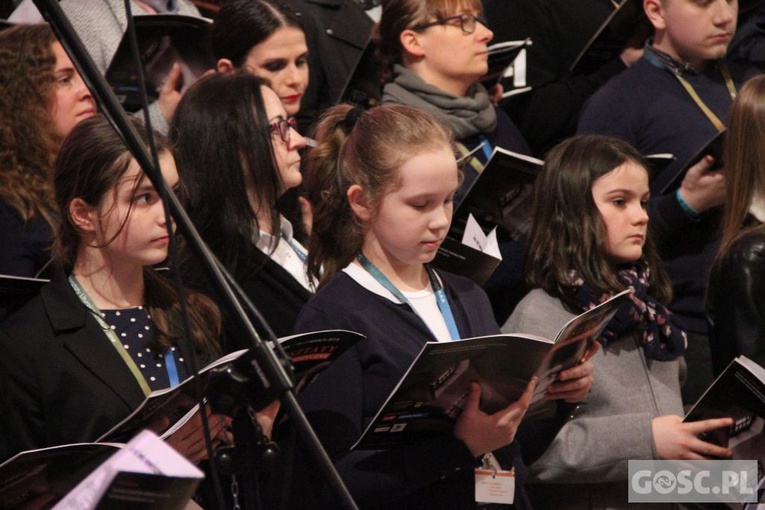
x=62, y=381
x=25, y=246
x=337, y=31
x=274, y=292
x=736, y=302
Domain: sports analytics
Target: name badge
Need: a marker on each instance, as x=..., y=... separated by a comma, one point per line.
x=494, y=486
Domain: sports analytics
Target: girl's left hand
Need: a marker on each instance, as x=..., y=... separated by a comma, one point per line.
x=189, y=440
x=574, y=384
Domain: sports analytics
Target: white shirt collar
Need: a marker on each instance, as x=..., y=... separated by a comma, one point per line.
x=757, y=208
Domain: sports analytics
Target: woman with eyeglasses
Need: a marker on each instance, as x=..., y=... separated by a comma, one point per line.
x=433, y=54
x=237, y=150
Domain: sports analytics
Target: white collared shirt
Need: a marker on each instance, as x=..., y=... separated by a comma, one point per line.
x=285, y=252
x=423, y=301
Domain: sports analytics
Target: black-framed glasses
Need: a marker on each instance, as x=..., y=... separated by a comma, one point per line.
x=284, y=127
x=467, y=22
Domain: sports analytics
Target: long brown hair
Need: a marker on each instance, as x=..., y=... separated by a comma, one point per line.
x=89, y=166
x=567, y=231
x=364, y=148
x=28, y=140
x=744, y=157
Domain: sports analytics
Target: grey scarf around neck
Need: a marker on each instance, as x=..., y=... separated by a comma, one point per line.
x=466, y=116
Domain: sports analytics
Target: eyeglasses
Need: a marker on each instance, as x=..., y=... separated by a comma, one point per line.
x=284, y=127
x=467, y=22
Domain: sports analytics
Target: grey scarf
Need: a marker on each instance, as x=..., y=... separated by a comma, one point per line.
x=466, y=116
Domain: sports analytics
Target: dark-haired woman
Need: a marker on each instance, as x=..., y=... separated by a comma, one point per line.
x=238, y=153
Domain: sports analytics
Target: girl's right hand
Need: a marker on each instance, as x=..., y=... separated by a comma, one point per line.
x=679, y=441
x=483, y=433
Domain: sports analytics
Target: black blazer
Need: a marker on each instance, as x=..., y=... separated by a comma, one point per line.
x=62, y=381
x=270, y=287
x=337, y=31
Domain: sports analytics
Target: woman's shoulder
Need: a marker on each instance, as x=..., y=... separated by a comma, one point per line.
x=749, y=247
x=339, y=294
x=538, y=313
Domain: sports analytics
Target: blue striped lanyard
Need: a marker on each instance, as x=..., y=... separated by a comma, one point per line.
x=443, y=303
x=172, y=369
x=301, y=254
x=486, y=147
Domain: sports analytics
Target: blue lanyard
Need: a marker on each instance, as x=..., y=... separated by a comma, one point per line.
x=301, y=254
x=486, y=146
x=172, y=370
x=443, y=303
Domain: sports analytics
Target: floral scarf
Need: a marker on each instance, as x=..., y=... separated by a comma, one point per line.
x=662, y=338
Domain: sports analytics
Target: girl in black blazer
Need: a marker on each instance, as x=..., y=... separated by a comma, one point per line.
x=104, y=333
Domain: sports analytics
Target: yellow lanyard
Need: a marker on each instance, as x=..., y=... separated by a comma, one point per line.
x=110, y=334
x=467, y=154
x=704, y=108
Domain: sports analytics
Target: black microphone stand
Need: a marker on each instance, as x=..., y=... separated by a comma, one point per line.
x=264, y=369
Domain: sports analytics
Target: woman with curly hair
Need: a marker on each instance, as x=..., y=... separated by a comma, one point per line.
x=41, y=99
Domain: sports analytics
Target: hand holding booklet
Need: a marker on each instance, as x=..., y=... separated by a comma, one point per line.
x=430, y=395
x=310, y=353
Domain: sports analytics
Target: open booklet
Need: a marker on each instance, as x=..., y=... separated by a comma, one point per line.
x=501, y=58
x=163, y=39
x=739, y=393
x=627, y=23
x=496, y=208
x=146, y=472
x=433, y=391
x=668, y=183
x=310, y=353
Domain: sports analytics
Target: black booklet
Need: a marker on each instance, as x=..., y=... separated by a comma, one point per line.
x=627, y=23
x=714, y=147
x=739, y=393
x=500, y=198
x=363, y=88
x=15, y=291
x=501, y=57
x=33, y=478
x=163, y=39
x=144, y=474
x=432, y=392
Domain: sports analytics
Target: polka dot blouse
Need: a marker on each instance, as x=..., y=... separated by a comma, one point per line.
x=135, y=331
